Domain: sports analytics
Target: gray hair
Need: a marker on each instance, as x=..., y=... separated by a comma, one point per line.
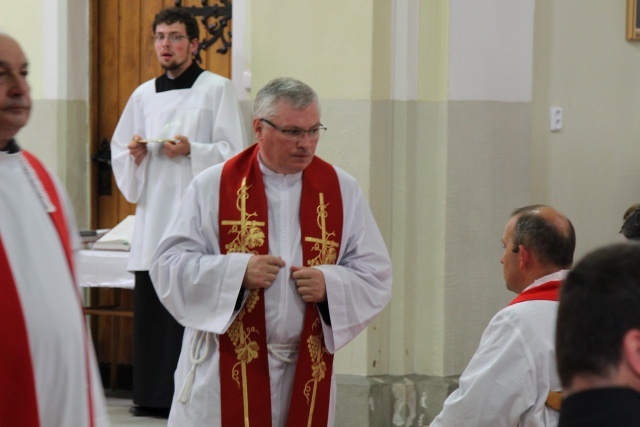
x=296, y=93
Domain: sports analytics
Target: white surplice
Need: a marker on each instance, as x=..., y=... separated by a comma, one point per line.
x=507, y=381
x=200, y=287
x=208, y=114
x=48, y=294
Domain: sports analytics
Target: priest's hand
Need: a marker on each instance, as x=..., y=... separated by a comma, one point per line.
x=310, y=282
x=136, y=149
x=179, y=146
x=261, y=271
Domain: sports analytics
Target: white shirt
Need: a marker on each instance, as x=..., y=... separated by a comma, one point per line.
x=208, y=114
x=200, y=287
x=507, y=381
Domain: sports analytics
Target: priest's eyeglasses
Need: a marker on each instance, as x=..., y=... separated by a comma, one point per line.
x=173, y=37
x=296, y=135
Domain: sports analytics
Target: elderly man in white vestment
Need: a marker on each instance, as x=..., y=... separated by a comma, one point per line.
x=172, y=128
x=48, y=372
x=511, y=379
x=273, y=263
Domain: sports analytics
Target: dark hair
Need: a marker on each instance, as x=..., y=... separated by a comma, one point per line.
x=177, y=14
x=631, y=225
x=599, y=303
x=551, y=244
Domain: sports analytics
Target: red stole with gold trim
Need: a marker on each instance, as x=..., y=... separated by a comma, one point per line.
x=243, y=225
x=549, y=291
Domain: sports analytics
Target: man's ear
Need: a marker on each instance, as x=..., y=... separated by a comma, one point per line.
x=193, y=46
x=525, y=257
x=631, y=350
x=258, y=126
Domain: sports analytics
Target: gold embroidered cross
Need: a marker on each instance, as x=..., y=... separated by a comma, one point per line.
x=248, y=232
x=327, y=248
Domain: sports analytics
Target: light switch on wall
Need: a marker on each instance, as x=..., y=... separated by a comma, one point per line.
x=555, y=119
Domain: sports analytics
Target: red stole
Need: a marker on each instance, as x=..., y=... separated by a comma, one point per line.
x=243, y=222
x=549, y=291
x=18, y=399
x=57, y=216
x=21, y=399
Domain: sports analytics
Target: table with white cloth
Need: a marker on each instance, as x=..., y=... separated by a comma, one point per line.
x=104, y=269
x=98, y=270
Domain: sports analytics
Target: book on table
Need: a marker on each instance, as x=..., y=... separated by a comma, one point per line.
x=118, y=238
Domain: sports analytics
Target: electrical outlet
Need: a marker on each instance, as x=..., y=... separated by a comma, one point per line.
x=555, y=119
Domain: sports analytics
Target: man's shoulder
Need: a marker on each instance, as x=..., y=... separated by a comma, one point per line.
x=527, y=308
x=210, y=78
x=345, y=177
x=349, y=186
x=209, y=175
x=533, y=318
x=145, y=88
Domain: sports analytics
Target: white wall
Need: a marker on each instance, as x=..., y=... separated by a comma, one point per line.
x=486, y=74
x=54, y=37
x=491, y=50
x=591, y=168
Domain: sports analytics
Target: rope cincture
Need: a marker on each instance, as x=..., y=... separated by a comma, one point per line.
x=278, y=351
x=196, y=346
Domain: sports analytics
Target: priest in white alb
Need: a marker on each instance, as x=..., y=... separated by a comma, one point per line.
x=273, y=263
x=48, y=372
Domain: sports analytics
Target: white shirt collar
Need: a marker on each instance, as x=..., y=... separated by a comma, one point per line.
x=266, y=171
x=558, y=275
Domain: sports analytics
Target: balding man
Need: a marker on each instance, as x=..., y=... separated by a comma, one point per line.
x=48, y=373
x=511, y=380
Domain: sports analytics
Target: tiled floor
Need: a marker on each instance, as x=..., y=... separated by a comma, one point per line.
x=118, y=407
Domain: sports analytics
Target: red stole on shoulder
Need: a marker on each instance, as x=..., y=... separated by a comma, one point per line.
x=18, y=398
x=549, y=291
x=57, y=216
x=243, y=225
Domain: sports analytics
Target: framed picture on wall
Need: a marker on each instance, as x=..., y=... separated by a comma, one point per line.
x=633, y=20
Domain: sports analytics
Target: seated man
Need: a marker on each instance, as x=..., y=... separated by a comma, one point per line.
x=598, y=339
x=509, y=379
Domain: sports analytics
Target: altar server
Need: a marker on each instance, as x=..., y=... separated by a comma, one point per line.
x=173, y=127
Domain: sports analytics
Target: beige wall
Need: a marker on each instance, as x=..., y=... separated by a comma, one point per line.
x=57, y=50
x=442, y=166
x=452, y=158
x=471, y=157
x=589, y=169
x=24, y=23
x=341, y=49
